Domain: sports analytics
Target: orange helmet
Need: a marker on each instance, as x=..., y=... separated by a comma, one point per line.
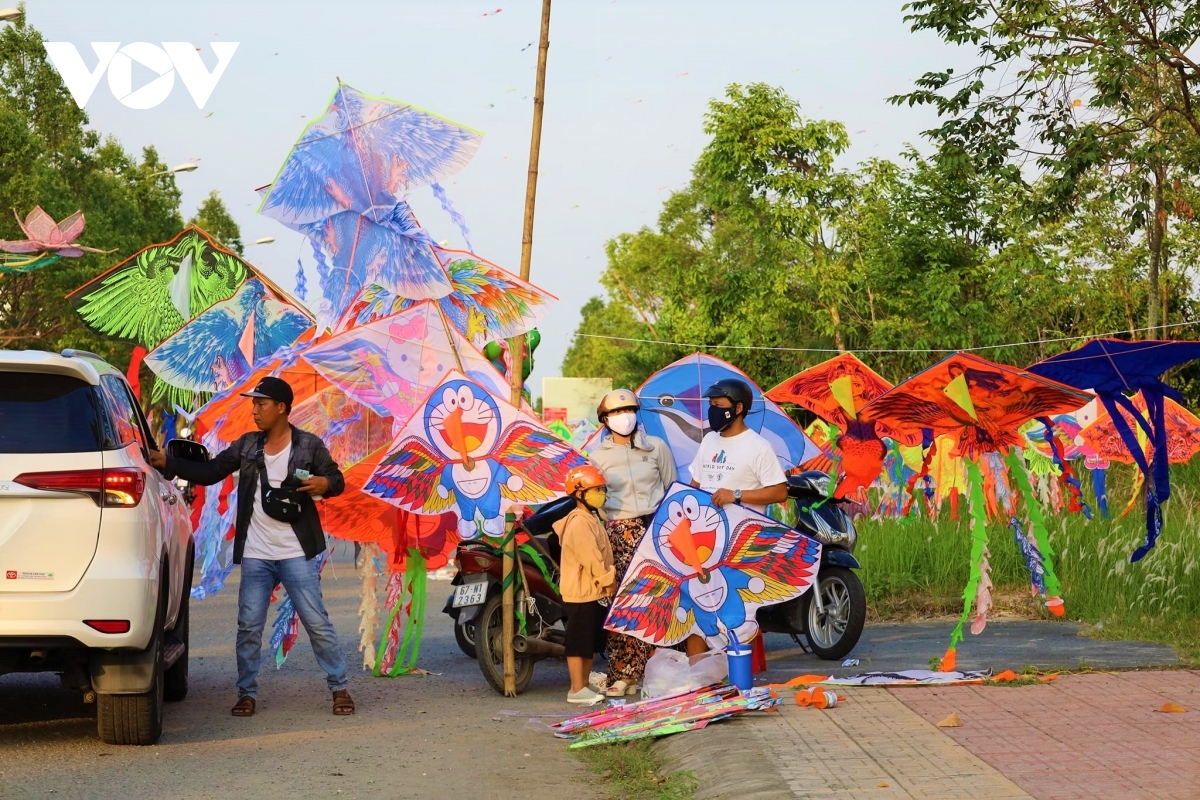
x=585, y=477
x=617, y=400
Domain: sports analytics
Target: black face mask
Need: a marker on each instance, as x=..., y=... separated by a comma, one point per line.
x=719, y=418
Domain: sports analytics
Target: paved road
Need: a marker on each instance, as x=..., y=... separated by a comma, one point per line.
x=1003, y=644
x=412, y=736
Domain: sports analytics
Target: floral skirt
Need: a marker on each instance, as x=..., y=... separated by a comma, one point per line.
x=627, y=655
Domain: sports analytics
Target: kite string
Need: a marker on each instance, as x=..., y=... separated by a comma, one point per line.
x=868, y=350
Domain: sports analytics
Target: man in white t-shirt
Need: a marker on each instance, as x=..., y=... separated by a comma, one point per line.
x=734, y=462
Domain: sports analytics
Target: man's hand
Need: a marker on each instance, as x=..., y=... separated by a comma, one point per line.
x=722, y=498
x=158, y=459
x=315, y=485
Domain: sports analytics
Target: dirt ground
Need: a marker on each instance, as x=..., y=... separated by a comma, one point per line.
x=444, y=734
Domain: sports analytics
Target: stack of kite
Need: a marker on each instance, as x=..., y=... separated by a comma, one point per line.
x=398, y=317
x=662, y=716
x=982, y=406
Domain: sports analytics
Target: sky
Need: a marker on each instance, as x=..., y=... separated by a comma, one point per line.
x=628, y=83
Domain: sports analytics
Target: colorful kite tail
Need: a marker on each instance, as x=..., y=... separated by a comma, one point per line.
x=978, y=565
x=1037, y=524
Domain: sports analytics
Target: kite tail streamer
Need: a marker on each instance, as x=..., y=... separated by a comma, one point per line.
x=1139, y=485
x=1100, y=489
x=983, y=595
x=301, y=281
x=285, y=630
x=398, y=652
x=922, y=475
x=978, y=549
x=1074, y=490
x=456, y=217
x=1033, y=557
x=368, y=605
x=1041, y=537
x=385, y=657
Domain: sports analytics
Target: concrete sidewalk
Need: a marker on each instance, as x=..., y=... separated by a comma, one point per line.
x=1089, y=735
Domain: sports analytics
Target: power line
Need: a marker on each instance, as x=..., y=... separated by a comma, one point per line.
x=866, y=350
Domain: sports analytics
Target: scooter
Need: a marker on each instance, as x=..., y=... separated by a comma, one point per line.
x=831, y=616
x=477, y=602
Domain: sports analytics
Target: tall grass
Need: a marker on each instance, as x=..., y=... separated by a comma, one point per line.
x=918, y=566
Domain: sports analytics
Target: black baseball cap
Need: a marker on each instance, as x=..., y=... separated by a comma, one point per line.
x=276, y=389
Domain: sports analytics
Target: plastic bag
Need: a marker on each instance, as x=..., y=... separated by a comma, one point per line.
x=670, y=671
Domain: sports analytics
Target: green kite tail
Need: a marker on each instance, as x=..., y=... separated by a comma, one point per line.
x=979, y=540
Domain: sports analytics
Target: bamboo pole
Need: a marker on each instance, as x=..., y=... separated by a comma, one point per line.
x=516, y=345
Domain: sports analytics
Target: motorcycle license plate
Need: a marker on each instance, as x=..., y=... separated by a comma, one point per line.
x=470, y=594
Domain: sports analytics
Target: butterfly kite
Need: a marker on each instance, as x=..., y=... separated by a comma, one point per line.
x=706, y=570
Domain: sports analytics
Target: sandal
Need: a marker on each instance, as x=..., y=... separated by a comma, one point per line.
x=244, y=707
x=343, y=705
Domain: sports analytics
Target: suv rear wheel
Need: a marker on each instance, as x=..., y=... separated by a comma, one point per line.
x=137, y=718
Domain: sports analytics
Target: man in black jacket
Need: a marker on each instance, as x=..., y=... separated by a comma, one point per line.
x=271, y=549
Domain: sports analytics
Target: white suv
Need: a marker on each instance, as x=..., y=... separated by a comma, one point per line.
x=95, y=544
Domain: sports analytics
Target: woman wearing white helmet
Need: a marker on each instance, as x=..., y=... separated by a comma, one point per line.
x=638, y=469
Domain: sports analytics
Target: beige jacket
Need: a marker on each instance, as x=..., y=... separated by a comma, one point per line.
x=587, y=560
x=637, y=474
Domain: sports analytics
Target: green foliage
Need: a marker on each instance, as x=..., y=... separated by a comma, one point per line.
x=214, y=218
x=782, y=258
x=1096, y=96
x=49, y=158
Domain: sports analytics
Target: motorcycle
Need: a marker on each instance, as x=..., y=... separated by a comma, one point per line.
x=831, y=616
x=476, y=603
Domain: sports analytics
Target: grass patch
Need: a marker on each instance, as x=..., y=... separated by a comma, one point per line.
x=633, y=770
x=917, y=568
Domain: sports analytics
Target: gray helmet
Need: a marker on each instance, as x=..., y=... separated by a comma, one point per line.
x=736, y=390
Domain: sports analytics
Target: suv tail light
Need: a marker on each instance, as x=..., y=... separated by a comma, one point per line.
x=108, y=625
x=119, y=487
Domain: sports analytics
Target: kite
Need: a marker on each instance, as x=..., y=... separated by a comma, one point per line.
x=706, y=570
x=150, y=295
x=981, y=406
x=218, y=348
x=674, y=410
x=487, y=302
x=363, y=155
x=352, y=250
x=469, y=452
x=836, y=391
x=45, y=242
x=392, y=364
x=1111, y=367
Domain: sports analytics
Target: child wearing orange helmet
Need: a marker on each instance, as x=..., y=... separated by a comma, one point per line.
x=588, y=578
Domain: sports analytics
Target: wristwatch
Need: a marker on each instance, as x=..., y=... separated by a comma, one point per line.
x=737, y=495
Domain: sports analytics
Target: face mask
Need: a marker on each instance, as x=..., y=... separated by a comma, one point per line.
x=594, y=498
x=719, y=418
x=622, y=424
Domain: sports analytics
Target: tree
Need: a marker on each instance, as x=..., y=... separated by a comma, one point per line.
x=1075, y=90
x=784, y=258
x=50, y=158
x=212, y=216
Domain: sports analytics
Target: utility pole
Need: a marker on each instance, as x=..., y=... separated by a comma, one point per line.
x=516, y=345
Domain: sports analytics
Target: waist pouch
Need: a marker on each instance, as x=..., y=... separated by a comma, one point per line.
x=283, y=503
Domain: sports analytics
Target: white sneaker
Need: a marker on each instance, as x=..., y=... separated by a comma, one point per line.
x=584, y=697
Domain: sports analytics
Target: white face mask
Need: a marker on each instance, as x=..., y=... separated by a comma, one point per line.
x=622, y=424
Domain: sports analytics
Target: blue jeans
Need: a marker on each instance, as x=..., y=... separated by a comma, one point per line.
x=302, y=581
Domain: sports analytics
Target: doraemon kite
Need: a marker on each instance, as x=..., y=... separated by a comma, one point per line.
x=706, y=570
x=467, y=452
